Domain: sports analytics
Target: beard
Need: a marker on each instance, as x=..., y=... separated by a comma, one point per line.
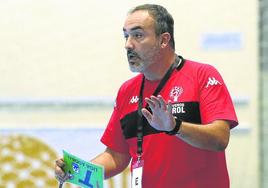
x=137, y=66
x=134, y=61
x=140, y=62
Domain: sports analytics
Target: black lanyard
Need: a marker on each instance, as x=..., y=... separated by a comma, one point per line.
x=141, y=118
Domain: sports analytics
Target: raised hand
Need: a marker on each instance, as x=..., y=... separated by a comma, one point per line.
x=161, y=117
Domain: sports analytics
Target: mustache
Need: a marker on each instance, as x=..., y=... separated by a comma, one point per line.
x=131, y=53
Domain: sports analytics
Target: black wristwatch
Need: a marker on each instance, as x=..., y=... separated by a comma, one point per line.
x=176, y=128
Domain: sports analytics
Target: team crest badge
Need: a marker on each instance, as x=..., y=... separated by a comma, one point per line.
x=75, y=168
x=175, y=93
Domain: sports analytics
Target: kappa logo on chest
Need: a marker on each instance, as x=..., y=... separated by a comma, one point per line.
x=134, y=99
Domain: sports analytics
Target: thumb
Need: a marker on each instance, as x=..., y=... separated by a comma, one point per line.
x=147, y=114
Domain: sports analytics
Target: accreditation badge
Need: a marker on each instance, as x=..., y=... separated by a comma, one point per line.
x=136, y=176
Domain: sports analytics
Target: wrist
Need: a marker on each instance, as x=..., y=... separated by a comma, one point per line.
x=176, y=129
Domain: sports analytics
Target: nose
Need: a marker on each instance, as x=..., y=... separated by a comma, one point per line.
x=129, y=44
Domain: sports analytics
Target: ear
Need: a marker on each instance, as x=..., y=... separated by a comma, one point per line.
x=165, y=37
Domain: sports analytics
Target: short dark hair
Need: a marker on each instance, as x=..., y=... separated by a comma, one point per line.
x=163, y=20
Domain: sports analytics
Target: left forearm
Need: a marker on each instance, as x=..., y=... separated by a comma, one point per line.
x=213, y=137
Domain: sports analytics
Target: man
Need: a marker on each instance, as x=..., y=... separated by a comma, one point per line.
x=173, y=120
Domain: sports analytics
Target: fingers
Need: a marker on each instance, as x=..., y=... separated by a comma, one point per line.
x=59, y=171
x=169, y=106
x=156, y=102
x=162, y=102
x=147, y=114
x=160, y=115
x=60, y=163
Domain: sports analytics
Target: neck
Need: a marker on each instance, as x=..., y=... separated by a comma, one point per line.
x=159, y=68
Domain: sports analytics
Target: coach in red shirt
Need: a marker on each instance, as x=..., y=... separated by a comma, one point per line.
x=173, y=120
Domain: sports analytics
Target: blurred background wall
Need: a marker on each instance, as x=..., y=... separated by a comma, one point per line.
x=263, y=38
x=62, y=62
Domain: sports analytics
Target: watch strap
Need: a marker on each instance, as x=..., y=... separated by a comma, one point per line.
x=176, y=128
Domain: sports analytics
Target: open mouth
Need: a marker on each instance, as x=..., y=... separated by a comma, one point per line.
x=132, y=59
x=132, y=56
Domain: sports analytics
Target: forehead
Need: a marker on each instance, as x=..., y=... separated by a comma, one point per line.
x=139, y=19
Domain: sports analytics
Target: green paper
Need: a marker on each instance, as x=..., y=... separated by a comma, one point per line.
x=83, y=173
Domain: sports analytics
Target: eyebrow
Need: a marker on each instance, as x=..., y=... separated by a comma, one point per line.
x=133, y=29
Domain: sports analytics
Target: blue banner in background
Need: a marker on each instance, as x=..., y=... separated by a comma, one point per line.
x=221, y=41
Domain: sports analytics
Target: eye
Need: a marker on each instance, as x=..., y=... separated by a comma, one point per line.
x=126, y=36
x=138, y=35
